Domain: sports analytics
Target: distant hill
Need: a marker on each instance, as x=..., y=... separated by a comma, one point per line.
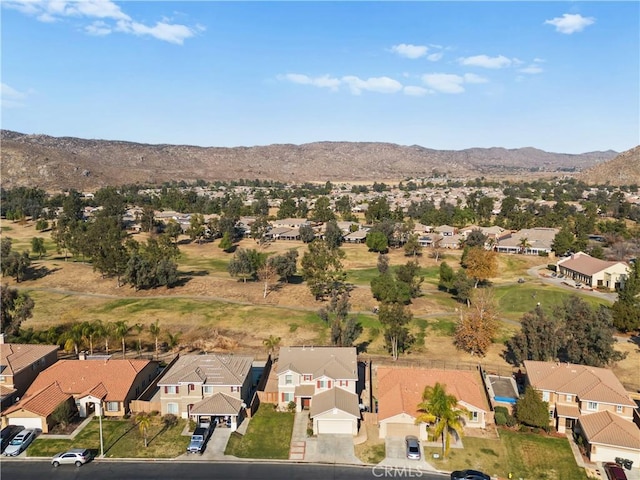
x=624, y=169
x=55, y=163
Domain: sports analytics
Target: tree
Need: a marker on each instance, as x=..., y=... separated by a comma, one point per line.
x=63, y=413
x=37, y=246
x=387, y=288
x=152, y=265
x=121, y=330
x=378, y=210
x=383, y=263
x=531, y=410
x=333, y=234
x=412, y=246
x=288, y=208
x=73, y=338
x=563, y=242
x=442, y=408
x=138, y=327
x=322, y=211
x=344, y=329
x=271, y=343
x=16, y=265
x=476, y=238
x=104, y=331
x=148, y=220
x=259, y=228
x=173, y=339
x=409, y=273
x=626, y=309
x=89, y=333
x=322, y=268
x=307, y=234
x=105, y=245
x=476, y=329
x=377, y=242
x=266, y=273
x=173, y=230
x=481, y=264
x=538, y=338
x=225, y=242
x=394, y=318
x=155, y=330
x=447, y=277
x=285, y=265
x=196, y=227
x=463, y=286
x=246, y=263
x=144, y=422
x=16, y=308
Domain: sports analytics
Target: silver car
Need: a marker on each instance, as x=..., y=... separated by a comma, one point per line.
x=75, y=456
x=20, y=442
x=413, y=447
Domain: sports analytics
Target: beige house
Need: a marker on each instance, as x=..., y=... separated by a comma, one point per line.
x=608, y=436
x=311, y=376
x=528, y=241
x=95, y=385
x=400, y=391
x=593, y=272
x=215, y=387
x=20, y=364
x=37, y=410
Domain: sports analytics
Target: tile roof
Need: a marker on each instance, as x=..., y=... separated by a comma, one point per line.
x=6, y=391
x=335, y=397
x=218, y=404
x=586, y=264
x=608, y=428
x=333, y=362
x=588, y=383
x=536, y=237
x=208, y=370
x=82, y=377
x=18, y=356
x=400, y=389
x=42, y=402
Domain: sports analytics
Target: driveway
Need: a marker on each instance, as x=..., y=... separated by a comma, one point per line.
x=329, y=448
x=396, y=456
x=214, y=450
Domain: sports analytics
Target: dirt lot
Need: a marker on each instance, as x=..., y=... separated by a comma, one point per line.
x=71, y=289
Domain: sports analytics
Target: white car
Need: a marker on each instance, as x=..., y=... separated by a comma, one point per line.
x=20, y=442
x=75, y=456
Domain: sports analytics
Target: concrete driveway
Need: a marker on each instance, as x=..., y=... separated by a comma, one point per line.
x=396, y=456
x=329, y=448
x=214, y=450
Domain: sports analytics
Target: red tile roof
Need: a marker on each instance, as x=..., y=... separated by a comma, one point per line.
x=42, y=402
x=607, y=428
x=108, y=379
x=400, y=389
x=18, y=356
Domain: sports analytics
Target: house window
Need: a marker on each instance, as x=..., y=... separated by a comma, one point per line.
x=288, y=379
x=113, y=406
x=308, y=378
x=344, y=383
x=288, y=396
x=322, y=384
x=172, y=408
x=235, y=389
x=2, y=379
x=592, y=406
x=207, y=389
x=474, y=417
x=619, y=408
x=545, y=396
x=550, y=413
x=170, y=389
x=569, y=398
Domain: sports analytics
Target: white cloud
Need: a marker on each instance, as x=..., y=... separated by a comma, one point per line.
x=10, y=97
x=485, y=61
x=410, y=51
x=444, y=82
x=414, y=91
x=98, y=28
x=532, y=69
x=104, y=11
x=434, y=57
x=322, y=82
x=473, y=78
x=570, y=23
x=373, y=84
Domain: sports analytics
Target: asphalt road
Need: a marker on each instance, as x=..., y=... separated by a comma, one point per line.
x=31, y=470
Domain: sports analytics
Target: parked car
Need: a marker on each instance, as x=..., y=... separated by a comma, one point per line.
x=20, y=442
x=7, y=434
x=198, y=440
x=413, y=447
x=469, y=475
x=614, y=471
x=75, y=456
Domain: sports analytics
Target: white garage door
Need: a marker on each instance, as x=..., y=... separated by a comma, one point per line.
x=335, y=426
x=402, y=429
x=26, y=422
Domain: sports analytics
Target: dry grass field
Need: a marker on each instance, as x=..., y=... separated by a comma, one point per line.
x=215, y=312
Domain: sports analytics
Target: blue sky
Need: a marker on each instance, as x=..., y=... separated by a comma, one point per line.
x=560, y=76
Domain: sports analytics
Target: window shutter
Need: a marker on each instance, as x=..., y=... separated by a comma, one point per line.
x=166, y=389
x=192, y=387
x=318, y=386
x=283, y=396
x=177, y=389
x=329, y=384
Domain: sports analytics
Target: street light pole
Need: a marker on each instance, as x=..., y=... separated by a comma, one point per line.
x=99, y=411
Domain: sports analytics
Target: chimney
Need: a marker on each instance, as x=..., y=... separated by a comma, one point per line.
x=82, y=355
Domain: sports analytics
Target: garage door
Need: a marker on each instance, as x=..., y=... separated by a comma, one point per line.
x=335, y=426
x=402, y=429
x=26, y=422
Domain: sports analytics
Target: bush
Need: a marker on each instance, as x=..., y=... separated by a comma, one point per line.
x=309, y=432
x=170, y=420
x=501, y=419
x=291, y=406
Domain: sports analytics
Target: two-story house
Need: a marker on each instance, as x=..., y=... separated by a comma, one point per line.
x=215, y=387
x=323, y=380
x=20, y=364
x=592, y=402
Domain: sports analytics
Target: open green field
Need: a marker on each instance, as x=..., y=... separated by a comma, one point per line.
x=525, y=455
x=122, y=439
x=268, y=435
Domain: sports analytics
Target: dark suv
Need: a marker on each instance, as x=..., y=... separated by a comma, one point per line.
x=469, y=475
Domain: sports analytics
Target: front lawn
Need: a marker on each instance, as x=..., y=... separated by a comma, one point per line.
x=525, y=455
x=121, y=438
x=268, y=435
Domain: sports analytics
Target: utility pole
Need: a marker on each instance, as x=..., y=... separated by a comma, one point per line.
x=99, y=412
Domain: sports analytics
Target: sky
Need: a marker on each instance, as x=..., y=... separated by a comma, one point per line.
x=560, y=76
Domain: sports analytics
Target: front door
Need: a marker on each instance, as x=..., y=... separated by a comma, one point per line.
x=306, y=402
x=569, y=423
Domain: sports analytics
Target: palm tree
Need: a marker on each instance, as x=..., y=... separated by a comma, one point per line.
x=173, y=339
x=154, y=328
x=144, y=422
x=121, y=329
x=440, y=407
x=271, y=343
x=104, y=331
x=524, y=244
x=73, y=338
x=138, y=327
x=88, y=333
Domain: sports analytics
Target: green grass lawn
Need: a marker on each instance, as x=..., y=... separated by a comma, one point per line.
x=525, y=455
x=122, y=439
x=268, y=435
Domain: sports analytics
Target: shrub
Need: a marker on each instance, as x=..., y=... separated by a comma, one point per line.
x=291, y=406
x=170, y=420
x=309, y=432
x=500, y=418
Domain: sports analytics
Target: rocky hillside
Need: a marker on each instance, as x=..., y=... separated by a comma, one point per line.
x=55, y=163
x=624, y=169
